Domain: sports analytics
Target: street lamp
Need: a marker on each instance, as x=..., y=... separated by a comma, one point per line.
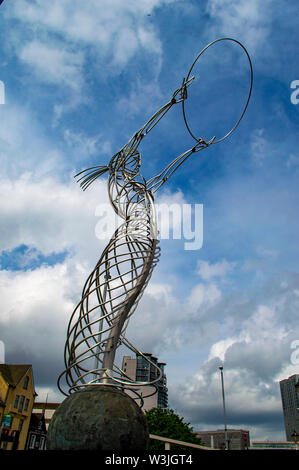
x=224, y=412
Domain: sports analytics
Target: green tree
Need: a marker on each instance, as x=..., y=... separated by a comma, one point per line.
x=166, y=423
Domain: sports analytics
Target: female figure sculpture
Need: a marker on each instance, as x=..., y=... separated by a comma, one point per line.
x=112, y=291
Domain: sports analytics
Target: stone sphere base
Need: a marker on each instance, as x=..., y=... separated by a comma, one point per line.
x=98, y=418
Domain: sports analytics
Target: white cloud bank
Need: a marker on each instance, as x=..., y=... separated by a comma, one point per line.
x=116, y=30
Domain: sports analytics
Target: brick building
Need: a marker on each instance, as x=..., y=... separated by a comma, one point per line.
x=238, y=439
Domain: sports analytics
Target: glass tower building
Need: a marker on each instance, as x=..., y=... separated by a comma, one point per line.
x=290, y=405
x=141, y=370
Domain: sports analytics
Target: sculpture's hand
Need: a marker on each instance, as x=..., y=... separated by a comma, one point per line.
x=181, y=93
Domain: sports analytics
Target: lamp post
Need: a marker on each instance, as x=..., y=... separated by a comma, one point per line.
x=224, y=411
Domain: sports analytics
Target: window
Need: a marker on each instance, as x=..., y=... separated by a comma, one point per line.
x=20, y=425
x=42, y=444
x=16, y=401
x=21, y=403
x=26, y=382
x=26, y=404
x=32, y=441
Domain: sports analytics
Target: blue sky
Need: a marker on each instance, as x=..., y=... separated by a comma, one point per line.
x=80, y=78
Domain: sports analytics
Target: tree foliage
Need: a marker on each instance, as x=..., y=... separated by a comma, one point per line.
x=166, y=423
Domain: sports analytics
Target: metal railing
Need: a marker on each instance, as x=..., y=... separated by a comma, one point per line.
x=169, y=441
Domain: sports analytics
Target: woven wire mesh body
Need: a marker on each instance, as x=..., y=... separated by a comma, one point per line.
x=112, y=291
x=111, y=294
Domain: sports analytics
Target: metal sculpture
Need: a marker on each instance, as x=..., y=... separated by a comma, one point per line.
x=112, y=291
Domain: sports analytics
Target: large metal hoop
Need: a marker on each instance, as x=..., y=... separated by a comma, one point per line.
x=216, y=141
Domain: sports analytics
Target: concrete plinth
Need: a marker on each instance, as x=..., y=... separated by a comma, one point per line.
x=98, y=418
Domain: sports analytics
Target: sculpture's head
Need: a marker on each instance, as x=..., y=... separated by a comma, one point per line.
x=125, y=164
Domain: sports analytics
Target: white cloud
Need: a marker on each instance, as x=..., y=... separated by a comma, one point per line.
x=143, y=96
x=117, y=29
x=246, y=21
x=48, y=394
x=219, y=349
x=63, y=42
x=53, y=64
x=264, y=324
x=87, y=145
x=50, y=216
x=35, y=308
x=24, y=147
x=154, y=325
x=203, y=296
x=208, y=271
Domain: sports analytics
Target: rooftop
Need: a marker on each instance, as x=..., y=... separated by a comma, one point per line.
x=13, y=373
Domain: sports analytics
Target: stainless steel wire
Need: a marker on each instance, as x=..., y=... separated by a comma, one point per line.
x=111, y=293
